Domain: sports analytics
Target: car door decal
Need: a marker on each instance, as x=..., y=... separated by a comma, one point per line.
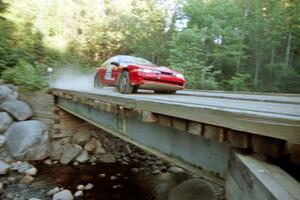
x=108, y=73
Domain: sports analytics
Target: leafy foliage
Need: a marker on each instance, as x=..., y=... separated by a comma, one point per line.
x=237, y=45
x=187, y=55
x=259, y=45
x=239, y=82
x=24, y=75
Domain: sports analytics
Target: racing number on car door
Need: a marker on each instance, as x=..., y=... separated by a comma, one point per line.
x=108, y=73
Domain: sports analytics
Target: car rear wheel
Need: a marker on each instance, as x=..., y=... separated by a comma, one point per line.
x=124, y=85
x=97, y=83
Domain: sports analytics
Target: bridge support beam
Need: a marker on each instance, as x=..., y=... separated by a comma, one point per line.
x=209, y=155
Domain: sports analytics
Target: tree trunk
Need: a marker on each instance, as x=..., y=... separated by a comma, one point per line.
x=272, y=62
x=238, y=62
x=258, y=63
x=152, y=57
x=239, y=59
x=272, y=55
x=257, y=68
x=288, y=49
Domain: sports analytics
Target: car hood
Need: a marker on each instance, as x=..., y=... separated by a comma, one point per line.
x=164, y=69
x=154, y=67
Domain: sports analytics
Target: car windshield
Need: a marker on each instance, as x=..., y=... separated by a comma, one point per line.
x=132, y=59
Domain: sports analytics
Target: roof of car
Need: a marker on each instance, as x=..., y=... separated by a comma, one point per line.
x=123, y=58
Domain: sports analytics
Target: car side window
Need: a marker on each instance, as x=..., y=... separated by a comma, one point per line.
x=107, y=63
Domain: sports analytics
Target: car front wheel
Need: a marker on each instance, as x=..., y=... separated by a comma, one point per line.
x=124, y=85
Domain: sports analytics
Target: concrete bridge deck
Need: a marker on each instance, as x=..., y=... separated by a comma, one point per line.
x=274, y=115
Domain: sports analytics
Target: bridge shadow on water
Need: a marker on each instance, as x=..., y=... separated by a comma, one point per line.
x=127, y=184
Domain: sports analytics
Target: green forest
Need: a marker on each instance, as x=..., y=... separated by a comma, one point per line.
x=235, y=45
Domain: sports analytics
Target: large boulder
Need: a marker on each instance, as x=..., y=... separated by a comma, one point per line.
x=7, y=92
x=81, y=137
x=4, y=91
x=28, y=140
x=18, y=109
x=13, y=88
x=5, y=121
x=94, y=146
x=192, y=189
x=70, y=152
x=82, y=157
x=56, y=150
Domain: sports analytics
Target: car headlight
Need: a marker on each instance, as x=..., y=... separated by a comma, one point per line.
x=179, y=76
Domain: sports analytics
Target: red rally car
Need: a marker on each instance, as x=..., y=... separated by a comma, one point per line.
x=131, y=73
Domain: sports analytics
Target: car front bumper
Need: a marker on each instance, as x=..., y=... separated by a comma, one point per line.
x=153, y=81
x=157, y=85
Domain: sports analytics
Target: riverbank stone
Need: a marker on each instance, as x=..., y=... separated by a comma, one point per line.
x=6, y=93
x=4, y=167
x=107, y=158
x=2, y=140
x=70, y=152
x=18, y=109
x=63, y=195
x=28, y=140
x=192, y=189
x=5, y=121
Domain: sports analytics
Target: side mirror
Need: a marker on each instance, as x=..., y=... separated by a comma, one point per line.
x=115, y=63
